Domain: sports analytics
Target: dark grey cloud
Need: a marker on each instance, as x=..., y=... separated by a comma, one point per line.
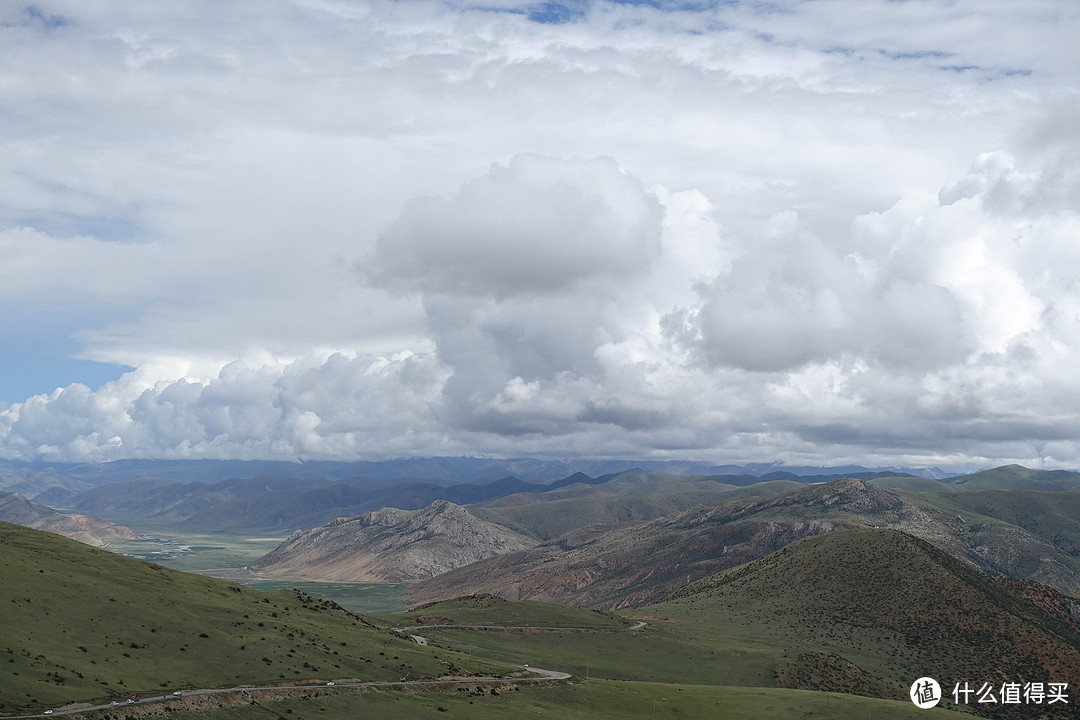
x=536, y=225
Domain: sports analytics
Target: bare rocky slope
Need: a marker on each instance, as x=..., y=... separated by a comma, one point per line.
x=391, y=545
x=14, y=508
x=629, y=566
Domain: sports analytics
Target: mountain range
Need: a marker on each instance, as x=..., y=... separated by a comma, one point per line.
x=14, y=508
x=30, y=478
x=288, y=503
x=636, y=563
x=850, y=585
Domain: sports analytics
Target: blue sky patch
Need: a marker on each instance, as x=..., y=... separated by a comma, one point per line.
x=555, y=13
x=37, y=355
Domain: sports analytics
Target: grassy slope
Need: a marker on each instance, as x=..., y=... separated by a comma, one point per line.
x=1052, y=516
x=863, y=611
x=591, y=700
x=912, y=484
x=548, y=515
x=1017, y=477
x=892, y=605
x=491, y=610
x=79, y=623
x=363, y=598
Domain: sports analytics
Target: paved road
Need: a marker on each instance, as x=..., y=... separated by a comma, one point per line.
x=545, y=676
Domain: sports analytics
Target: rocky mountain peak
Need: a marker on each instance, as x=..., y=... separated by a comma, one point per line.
x=15, y=508
x=391, y=545
x=850, y=496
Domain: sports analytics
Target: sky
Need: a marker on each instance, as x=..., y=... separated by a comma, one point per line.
x=809, y=232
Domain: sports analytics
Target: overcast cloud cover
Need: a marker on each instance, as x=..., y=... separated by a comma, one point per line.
x=813, y=232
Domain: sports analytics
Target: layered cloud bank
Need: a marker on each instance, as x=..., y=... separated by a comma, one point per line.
x=789, y=234
x=940, y=332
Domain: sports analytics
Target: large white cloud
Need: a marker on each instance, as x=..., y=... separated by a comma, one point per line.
x=935, y=331
x=804, y=231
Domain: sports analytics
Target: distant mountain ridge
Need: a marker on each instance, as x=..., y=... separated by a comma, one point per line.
x=14, y=508
x=272, y=503
x=289, y=503
x=35, y=476
x=277, y=503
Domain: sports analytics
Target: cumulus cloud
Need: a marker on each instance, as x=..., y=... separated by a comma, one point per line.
x=823, y=234
x=790, y=299
x=933, y=329
x=309, y=407
x=535, y=225
x=523, y=274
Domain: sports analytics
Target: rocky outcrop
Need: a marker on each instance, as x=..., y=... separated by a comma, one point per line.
x=14, y=508
x=391, y=545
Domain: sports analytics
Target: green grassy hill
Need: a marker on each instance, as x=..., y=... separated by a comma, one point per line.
x=493, y=610
x=867, y=611
x=78, y=623
x=860, y=612
x=1018, y=477
x=587, y=700
x=547, y=515
x=912, y=484
x=1051, y=516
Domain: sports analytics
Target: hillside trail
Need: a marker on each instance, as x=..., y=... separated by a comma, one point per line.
x=544, y=674
x=251, y=691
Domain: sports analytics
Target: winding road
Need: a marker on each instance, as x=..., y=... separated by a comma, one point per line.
x=544, y=675
x=529, y=628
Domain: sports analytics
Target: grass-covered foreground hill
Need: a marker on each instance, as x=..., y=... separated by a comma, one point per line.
x=869, y=611
x=77, y=623
x=856, y=614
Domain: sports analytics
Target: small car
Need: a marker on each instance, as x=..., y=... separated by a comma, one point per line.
x=48, y=712
x=176, y=692
x=329, y=683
